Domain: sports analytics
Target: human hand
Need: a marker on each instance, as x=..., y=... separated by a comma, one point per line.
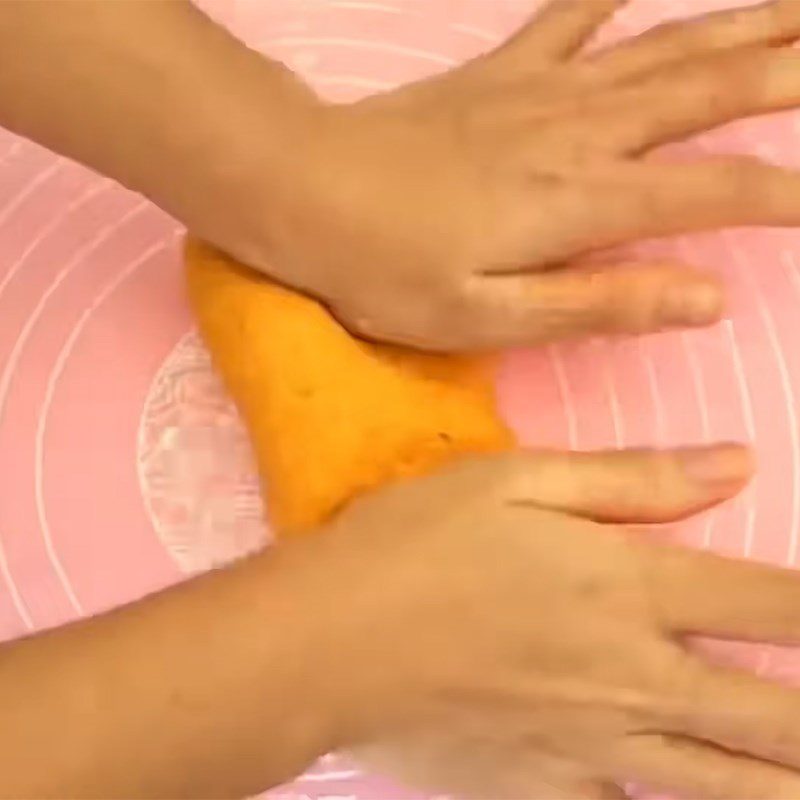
x=493, y=641
x=448, y=214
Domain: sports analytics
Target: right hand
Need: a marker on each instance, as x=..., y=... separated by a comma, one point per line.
x=493, y=639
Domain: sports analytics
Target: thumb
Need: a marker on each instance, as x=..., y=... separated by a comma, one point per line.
x=630, y=486
x=631, y=299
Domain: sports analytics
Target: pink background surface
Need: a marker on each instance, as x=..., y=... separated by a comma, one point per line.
x=123, y=466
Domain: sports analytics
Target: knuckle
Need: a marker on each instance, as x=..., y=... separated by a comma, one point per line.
x=513, y=475
x=620, y=302
x=598, y=485
x=745, y=181
x=728, y=85
x=681, y=690
x=657, y=476
x=743, y=79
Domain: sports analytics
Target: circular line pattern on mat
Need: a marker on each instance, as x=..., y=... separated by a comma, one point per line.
x=196, y=467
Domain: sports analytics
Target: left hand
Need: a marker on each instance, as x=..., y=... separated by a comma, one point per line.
x=449, y=214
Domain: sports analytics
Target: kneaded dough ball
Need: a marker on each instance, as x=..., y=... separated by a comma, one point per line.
x=329, y=415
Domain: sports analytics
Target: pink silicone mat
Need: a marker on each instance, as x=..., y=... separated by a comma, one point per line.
x=123, y=467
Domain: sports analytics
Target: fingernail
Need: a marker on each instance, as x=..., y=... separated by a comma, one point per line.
x=722, y=465
x=697, y=303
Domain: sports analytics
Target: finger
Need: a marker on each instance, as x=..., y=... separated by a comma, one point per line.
x=703, y=772
x=632, y=486
x=735, y=710
x=639, y=200
x=629, y=299
x=699, y=95
x=701, y=593
x=766, y=23
x=721, y=192
x=560, y=29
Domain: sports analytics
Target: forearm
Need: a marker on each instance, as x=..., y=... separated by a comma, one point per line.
x=217, y=688
x=151, y=93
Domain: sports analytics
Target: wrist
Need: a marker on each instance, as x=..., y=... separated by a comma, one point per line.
x=256, y=160
x=348, y=677
x=305, y=650
x=230, y=140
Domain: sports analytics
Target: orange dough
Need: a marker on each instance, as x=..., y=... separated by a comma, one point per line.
x=331, y=416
